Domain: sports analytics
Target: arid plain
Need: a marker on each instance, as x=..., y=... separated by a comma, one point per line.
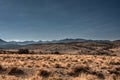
x=101, y=62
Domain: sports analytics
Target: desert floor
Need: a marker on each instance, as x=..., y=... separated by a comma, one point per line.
x=59, y=67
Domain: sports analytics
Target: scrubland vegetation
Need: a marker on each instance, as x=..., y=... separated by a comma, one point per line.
x=72, y=61
x=59, y=67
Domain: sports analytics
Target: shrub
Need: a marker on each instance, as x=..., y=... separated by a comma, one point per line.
x=2, y=52
x=103, y=53
x=115, y=63
x=56, y=52
x=2, y=69
x=44, y=73
x=23, y=51
x=16, y=71
x=98, y=74
x=79, y=69
x=58, y=66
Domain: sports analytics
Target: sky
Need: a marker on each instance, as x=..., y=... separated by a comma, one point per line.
x=58, y=19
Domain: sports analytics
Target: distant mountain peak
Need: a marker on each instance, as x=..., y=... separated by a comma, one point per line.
x=2, y=41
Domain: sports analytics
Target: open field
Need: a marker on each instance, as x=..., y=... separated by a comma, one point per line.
x=59, y=67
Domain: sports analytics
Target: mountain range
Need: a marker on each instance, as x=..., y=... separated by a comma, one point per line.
x=14, y=44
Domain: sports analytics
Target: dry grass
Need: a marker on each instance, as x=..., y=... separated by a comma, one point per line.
x=59, y=67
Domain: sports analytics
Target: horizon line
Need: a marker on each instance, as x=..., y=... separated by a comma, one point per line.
x=18, y=40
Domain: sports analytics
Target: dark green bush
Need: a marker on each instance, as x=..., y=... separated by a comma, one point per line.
x=56, y=52
x=23, y=51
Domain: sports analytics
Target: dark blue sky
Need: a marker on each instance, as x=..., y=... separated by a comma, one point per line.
x=58, y=19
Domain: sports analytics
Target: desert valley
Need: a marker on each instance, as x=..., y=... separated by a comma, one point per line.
x=68, y=60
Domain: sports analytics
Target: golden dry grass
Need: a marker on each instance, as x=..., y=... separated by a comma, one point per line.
x=59, y=67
